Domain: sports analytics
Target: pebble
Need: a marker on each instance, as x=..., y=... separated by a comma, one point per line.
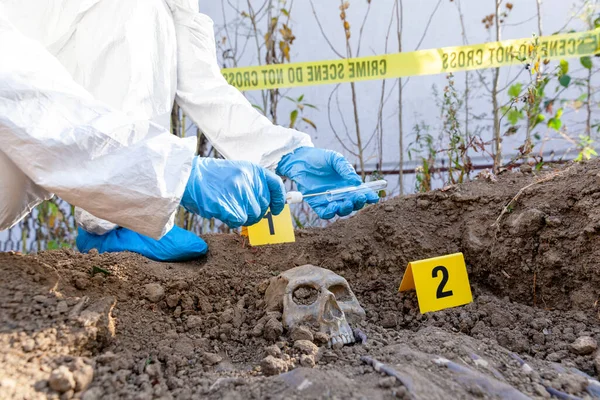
x=61, y=379
x=194, y=321
x=62, y=307
x=274, y=351
x=212, y=358
x=28, y=345
x=307, y=361
x=321, y=338
x=273, y=366
x=82, y=373
x=273, y=329
x=301, y=333
x=388, y=209
x=94, y=393
x=306, y=347
x=387, y=382
x=154, y=292
x=584, y=345
x=153, y=370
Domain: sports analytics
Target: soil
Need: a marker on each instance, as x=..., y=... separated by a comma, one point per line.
x=120, y=326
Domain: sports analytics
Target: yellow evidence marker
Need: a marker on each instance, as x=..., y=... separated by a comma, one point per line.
x=272, y=229
x=440, y=282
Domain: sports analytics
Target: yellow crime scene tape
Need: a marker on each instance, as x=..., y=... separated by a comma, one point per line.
x=422, y=62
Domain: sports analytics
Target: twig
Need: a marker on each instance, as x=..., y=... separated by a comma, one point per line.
x=323, y=31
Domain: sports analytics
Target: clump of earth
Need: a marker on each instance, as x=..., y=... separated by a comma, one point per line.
x=120, y=326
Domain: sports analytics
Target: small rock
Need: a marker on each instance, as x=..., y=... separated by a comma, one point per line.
x=307, y=361
x=177, y=312
x=153, y=370
x=94, y=393
x=67, y=395
x=306, y=347
x=321, y=338
x=173, y=300
x=557, y=356
x=301, y=333
x=61, y=379
x=194, y=321
x=82, y=373
x=388, y=319
x=99, y=315
x=7, y=383
x=80, y=280
x=584, y=345
x=388, y=209
x=597, y=363
x=226, y=316
x=541, y=391
x=387, y=382
x=28, y=345
x=184, y=346
x=274, y=351
x=62, y=307
x=212, y=358
x=422, y=203
x=154, y=292
x=273, y=329
x=40, y=299
x=273, y=366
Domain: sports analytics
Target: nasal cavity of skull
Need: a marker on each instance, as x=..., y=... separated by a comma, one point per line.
x=305, y=295
x=332, y=310
x=341, y=292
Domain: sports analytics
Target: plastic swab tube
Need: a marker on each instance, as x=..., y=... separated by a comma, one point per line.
x=294, y=197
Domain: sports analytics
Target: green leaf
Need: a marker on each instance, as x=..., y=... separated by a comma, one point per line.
x=53, y=209
x=515, y=90
x=597, y=23
x=565, y=80
x=311, y=106
x=52, y=245
x=564, y=66
x=300, y=98
x=555, y=123
x=586, y=61
x=285, y=12
x=293, y=118
x=308, y=121
x=514, y=116
x=538, y=119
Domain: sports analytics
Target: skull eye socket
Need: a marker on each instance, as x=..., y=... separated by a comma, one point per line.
x=305, y=295
x=340, y=292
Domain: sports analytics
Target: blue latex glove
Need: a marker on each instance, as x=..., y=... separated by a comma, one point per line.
x=177, y=245
x=317, y=170
x=235, y=192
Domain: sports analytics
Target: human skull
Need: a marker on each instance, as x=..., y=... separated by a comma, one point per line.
x=315, y=296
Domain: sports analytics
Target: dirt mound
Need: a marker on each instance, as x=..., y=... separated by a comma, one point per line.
x=121, y=326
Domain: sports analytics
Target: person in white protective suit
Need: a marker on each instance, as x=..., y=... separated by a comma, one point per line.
x=86, y=91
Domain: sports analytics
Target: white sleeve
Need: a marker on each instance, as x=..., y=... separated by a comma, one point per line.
x=236, y=129
x=132, y=173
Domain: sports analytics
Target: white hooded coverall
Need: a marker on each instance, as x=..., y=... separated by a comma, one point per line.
x=86, y=91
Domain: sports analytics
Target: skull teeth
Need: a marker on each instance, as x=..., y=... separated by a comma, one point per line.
x=340, y=340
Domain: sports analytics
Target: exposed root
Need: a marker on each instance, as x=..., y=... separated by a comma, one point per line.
x=522, y=190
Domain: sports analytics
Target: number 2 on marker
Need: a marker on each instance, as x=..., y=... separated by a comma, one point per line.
x=269, y=218
x=440, y=294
